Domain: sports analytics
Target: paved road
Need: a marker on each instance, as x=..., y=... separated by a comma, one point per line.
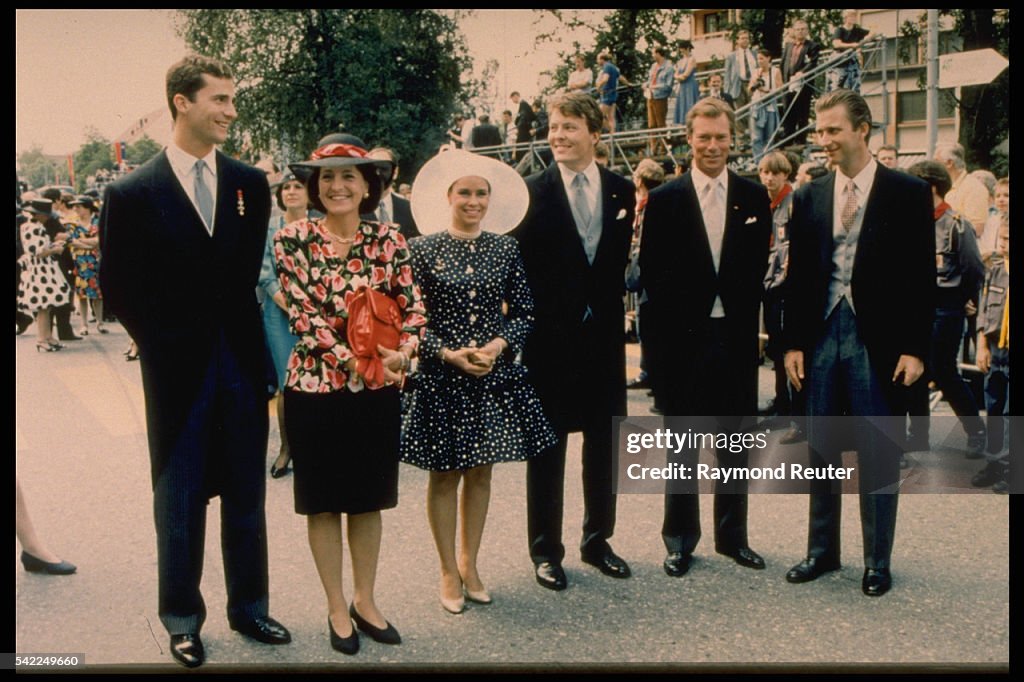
x=81, y=459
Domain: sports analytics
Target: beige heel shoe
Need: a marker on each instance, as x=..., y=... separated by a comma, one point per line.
x=478, y=596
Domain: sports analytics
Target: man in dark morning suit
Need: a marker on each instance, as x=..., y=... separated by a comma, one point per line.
x=182, y=241
x=392, y=208
x=799, y=55
x=702, y=262
x=858, y=323
x=575, y=243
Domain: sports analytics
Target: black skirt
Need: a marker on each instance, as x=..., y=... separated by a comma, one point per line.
x=344, y=449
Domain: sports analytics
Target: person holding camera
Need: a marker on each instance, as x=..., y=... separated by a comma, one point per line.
x=765, y=116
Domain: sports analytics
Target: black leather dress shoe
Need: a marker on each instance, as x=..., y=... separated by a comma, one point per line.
x=551, y=576
x=677, y=564
x=876, y=582
x=610, y=564
x=264, y=629
x=387, y=635
x=744, y=556
x=810, y=569
x=188, y=650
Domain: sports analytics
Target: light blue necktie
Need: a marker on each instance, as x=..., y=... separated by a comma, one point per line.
x=204, y=200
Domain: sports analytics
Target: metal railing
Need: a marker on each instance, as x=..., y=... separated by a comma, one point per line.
x=536, y=154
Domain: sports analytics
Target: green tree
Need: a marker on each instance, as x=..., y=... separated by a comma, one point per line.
x=392, y=77
x=95, y=154
x=36, y=168
x=141, y=150
x=984, y=109
x=623, y=33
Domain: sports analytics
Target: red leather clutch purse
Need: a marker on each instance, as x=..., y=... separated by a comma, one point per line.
x=373, y=319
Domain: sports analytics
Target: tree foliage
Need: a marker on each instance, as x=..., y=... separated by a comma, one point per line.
x=392, y=77
x=36, y=168
x=142, y=150
x=95, y=154
x=984, y=109
x=624, y=33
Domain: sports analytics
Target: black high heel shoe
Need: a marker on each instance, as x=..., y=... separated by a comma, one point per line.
x=48, y=347
x=387, y=635
x=130, y=356
x=34, y=564
x=282, y=472
x=346, y=645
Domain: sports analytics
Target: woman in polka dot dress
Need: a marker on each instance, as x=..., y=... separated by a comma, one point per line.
x=472, y=405
x=43, y=285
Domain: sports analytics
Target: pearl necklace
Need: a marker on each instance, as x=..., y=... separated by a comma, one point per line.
x=463, y=236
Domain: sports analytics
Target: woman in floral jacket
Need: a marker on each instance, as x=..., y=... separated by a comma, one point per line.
x=344, y=430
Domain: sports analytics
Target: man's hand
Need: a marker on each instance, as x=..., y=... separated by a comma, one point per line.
x=910, y=367
x=983, y=358
x=794, y=364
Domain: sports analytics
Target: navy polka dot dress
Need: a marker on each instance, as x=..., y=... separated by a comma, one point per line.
x=474, y=290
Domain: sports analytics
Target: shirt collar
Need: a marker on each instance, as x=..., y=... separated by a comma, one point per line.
x=863, y=180
x=591, y=171
x=700, y=179
x=183, y=162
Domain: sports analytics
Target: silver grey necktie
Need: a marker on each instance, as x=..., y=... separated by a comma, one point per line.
x=382, y=213
x=579, y=194
x=204, y=200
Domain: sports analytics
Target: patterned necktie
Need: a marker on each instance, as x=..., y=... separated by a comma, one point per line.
x=204, y=200
x=382, y=213
x=850, y=207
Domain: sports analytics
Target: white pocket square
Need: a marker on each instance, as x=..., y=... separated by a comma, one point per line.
x=751, y=219
x=621, y=215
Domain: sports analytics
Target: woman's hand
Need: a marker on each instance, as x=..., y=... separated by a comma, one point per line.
x=462, y=359
x=279, y=299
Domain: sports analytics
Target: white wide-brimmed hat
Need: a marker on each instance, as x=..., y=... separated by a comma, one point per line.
x=509, y=196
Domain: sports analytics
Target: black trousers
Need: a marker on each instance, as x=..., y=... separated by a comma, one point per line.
x=680, y=528
x=545, y=473
x=223, y=439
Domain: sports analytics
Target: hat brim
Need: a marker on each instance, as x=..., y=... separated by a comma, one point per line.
x=508, y=202
x=304, y=169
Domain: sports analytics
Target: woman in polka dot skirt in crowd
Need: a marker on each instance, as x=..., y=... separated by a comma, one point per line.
x=43, y=285
x=471, y=405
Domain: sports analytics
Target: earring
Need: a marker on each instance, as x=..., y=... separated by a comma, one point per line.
x=366, y=196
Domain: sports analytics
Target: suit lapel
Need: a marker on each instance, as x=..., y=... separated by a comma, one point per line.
x=177, y=209
x=611, y=203
x=695, y=219
x=873, y=212
x=230, y=203
x=824, y=200
x=731, y=238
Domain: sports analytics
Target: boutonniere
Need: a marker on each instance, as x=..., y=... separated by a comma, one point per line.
x=241, y=203
x=621, y=214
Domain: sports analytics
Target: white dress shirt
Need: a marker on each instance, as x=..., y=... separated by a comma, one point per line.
x=184, y=165
x=715, y=225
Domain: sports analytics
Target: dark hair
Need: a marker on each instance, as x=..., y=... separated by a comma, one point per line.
x=579, y=105
x=794, y=164
x=187, y=77
x=506, y=112
x=387, y=177
x=765, y=50
x=710, y=107
x=816, y=171
x=857, y=110
x=660, y=50
x=51, y=193
x=934, y=173
x=514, y=93
x=368, y=204
x=484, y=118
x=280, y=189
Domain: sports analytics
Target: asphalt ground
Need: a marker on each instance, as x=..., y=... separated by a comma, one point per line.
x=83, y=465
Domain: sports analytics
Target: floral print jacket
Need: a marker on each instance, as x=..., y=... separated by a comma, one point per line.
x=318, y=286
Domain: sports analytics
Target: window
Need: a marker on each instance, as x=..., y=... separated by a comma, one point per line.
x=911, y=107
x=709, y=21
